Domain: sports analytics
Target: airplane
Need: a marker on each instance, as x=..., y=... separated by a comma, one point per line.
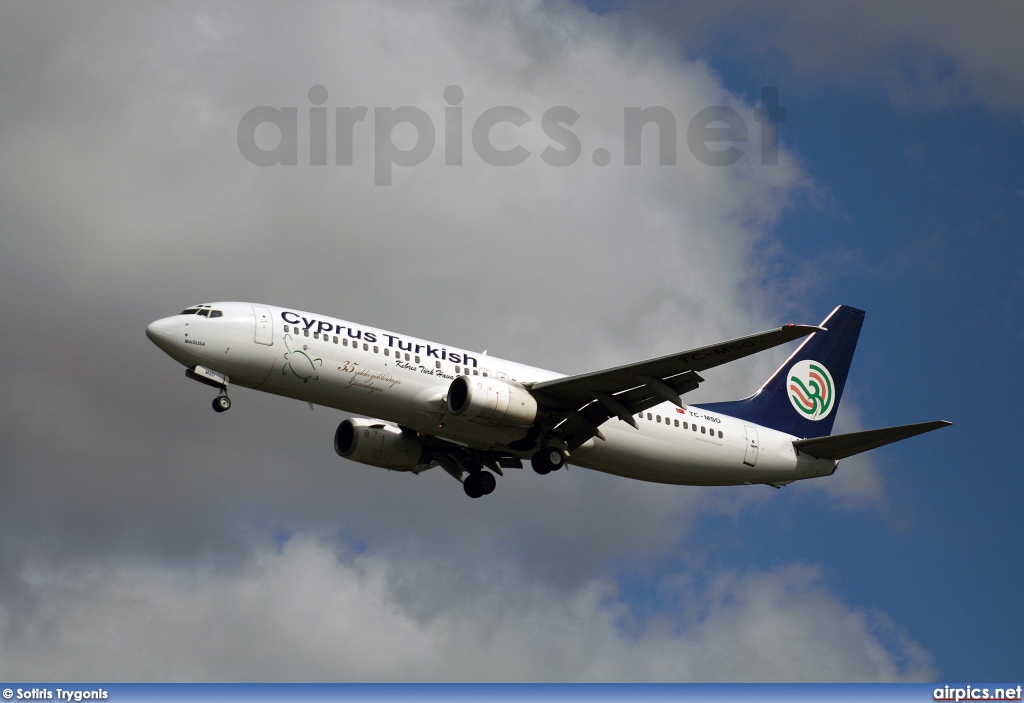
x=474, y=415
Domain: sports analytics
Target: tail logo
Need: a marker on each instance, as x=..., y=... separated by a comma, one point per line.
x=811, y=390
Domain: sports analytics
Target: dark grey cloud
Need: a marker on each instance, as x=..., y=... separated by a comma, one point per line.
x=124, y=198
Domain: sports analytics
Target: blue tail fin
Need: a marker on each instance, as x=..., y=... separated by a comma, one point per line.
x=802, y=397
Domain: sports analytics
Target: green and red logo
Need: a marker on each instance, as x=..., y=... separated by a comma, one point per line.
x=811, y=390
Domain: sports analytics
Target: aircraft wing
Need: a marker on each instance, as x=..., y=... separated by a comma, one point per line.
x=588, y=400
x=840, y=446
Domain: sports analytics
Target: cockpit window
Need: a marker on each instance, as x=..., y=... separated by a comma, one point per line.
x=205, y=312
x=196, y=308
x=217, y=313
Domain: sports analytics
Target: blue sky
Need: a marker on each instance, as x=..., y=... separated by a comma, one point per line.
x=240, y=547
x=918, y=221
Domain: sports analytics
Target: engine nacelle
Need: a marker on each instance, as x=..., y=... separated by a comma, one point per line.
x=492, y=402
x=375, y=443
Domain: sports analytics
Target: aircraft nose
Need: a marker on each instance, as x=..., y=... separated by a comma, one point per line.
x=163, y=332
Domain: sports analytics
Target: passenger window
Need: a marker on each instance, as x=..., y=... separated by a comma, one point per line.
x=376, y=350
x=475, y=372
x=366, y=347
x=286, y=329
x=305, y=333
x=677, y=423
x=648, y=416
x=686, y=425
x=204, y=313
x=316, y=335
x=457, y=371
x=703, y=430
x=719, y=434
x=417, y=358
x=386, y=353
x=335, y=340
x=217, y=313
x=694, y=428
x=657, y=418
x=344, y=342
x=438, y=364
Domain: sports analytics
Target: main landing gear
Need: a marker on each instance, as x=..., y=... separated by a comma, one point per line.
x=547, y=460
x=468, y=466
x=479, y=483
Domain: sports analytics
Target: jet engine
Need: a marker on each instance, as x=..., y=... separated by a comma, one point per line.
x=375, y=443
x=492, y=402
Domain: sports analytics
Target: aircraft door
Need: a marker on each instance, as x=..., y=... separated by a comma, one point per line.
x=750, y=458
x=264, y=325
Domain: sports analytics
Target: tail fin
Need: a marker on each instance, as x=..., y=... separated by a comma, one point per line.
x=802, y=397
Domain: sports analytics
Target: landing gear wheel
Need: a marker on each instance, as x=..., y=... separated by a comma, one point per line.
x=547, y=460
x=221, y=403
x=486, y=481
x=472, y=486
x=556, y=458
x=478, y=484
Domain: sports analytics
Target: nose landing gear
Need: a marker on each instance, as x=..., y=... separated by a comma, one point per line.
x=222, y=402
x=212, y=378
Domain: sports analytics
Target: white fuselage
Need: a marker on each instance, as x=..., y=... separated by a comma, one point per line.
x=404, y=380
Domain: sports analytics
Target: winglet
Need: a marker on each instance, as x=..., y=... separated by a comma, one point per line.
x=802, y=396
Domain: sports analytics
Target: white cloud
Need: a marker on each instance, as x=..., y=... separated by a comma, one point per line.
x=925, y=54
x=123, y=197
x=304, y=614
x=128, y=206
x=858, y=482
x=639, y=260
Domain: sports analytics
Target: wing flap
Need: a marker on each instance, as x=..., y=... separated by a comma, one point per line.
x=840, y=446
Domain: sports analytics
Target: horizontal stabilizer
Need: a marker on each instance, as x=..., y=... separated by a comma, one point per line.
x=841, y=446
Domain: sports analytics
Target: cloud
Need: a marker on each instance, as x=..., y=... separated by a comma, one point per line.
x=124, y=198
x=925, y=55
x=133, y=201
x=301, y=613
x=858, y=482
